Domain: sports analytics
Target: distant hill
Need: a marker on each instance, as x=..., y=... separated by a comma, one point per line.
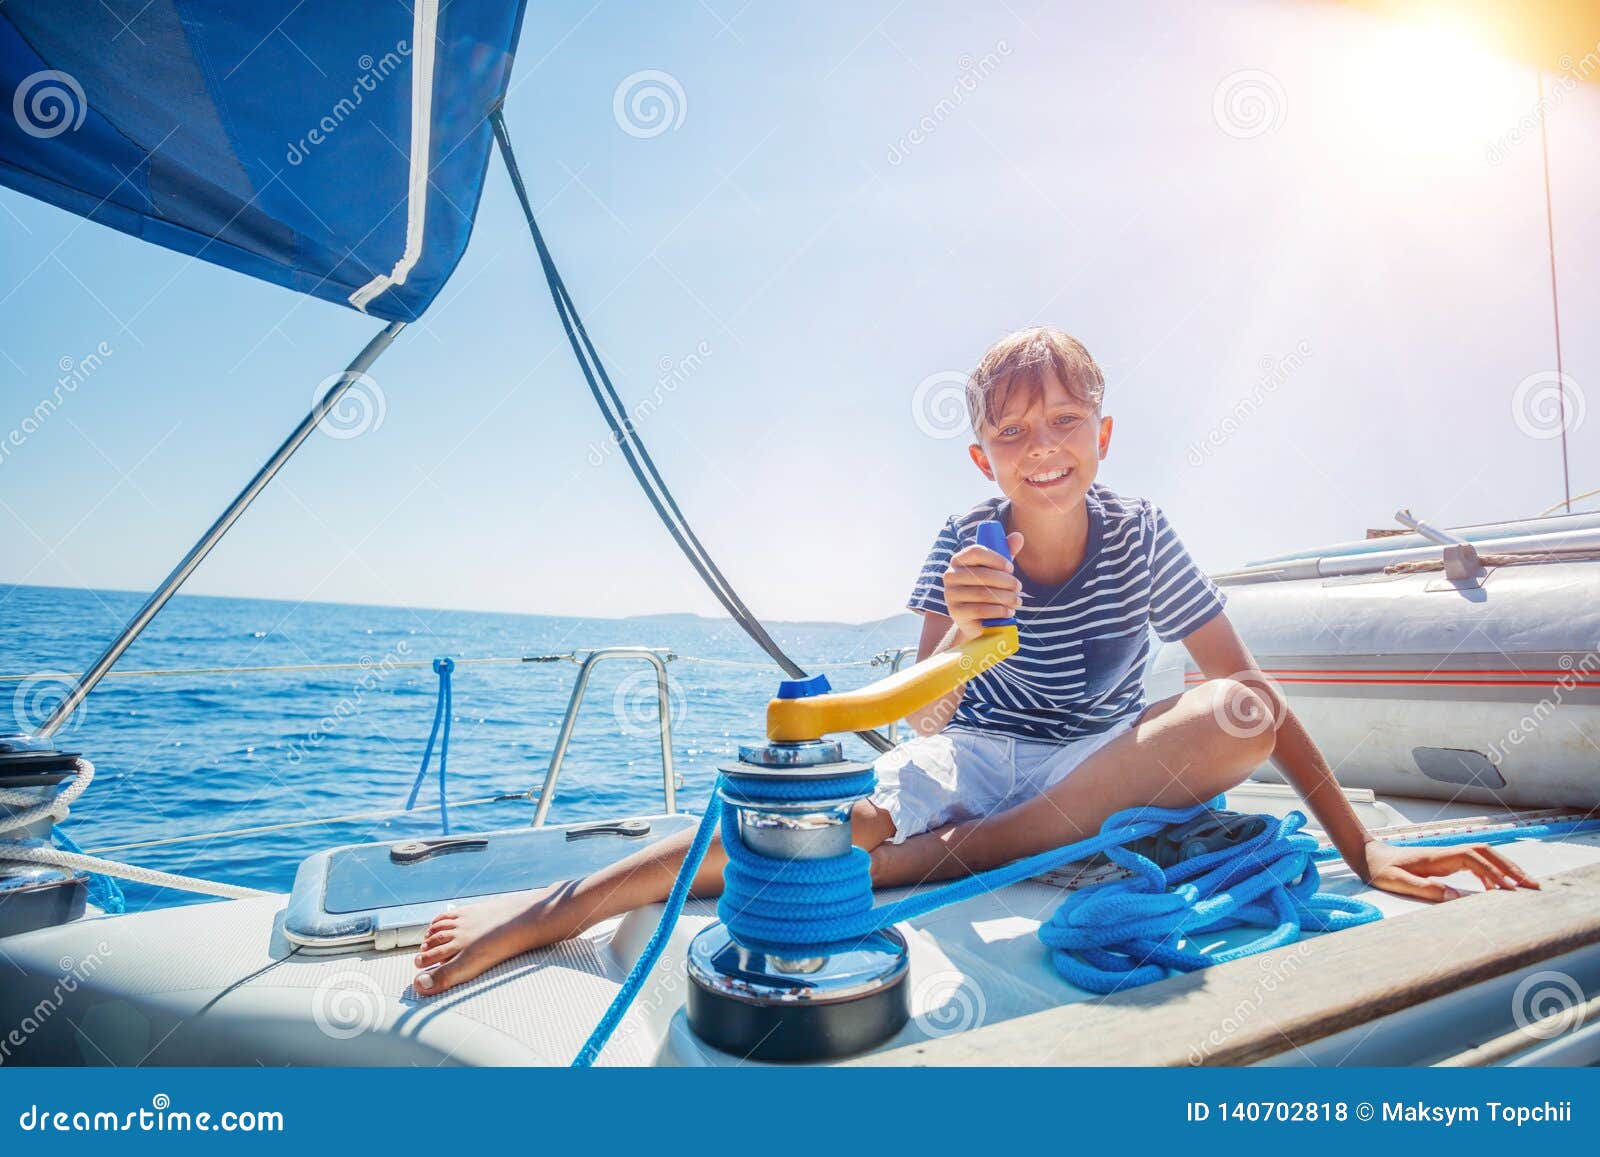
x=905, y=623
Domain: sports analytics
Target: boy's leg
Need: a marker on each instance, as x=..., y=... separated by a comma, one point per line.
x=1178, y=754
x=463, y=943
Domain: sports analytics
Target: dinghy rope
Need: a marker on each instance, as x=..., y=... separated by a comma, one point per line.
x=28, y=808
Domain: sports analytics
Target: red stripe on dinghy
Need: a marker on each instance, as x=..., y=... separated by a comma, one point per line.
x=1381, y=679
x=1532, y=671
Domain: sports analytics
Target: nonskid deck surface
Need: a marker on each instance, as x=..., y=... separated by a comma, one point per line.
x=219, y=984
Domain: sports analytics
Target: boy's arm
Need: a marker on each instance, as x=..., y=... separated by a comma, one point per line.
x=978, y=584
x=1220, y=653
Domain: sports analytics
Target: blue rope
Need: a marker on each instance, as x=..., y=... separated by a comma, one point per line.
x=1124, y=933
x=104, y=892
x=658, y=940
x=1504, y=836
x=823, y=906
x=441, y=712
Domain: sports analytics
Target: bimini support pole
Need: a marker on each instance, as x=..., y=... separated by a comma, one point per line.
x=197, y=553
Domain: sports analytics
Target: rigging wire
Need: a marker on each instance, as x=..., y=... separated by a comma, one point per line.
x=1555, y=301
x=628, y=441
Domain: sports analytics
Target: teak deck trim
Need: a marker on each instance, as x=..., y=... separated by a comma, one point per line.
x=1319, y=987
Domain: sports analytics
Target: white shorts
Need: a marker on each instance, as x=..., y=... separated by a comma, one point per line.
x=962, y=773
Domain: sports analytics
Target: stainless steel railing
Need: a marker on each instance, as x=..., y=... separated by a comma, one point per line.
x=657, y=659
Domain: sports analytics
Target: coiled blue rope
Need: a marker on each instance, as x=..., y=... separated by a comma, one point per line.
x=826, y=905
x=1125, y=933
x=776, y=906
x=442, y=711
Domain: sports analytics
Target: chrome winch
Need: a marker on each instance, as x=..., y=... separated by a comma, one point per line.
x=764, y=1006
x=34, y=895
x=789, y=800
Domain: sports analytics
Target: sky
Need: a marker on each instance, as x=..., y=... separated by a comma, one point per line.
x=1306, y=245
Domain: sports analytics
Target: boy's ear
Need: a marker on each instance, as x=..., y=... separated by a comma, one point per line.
x=981, y=460
x=1105, y=435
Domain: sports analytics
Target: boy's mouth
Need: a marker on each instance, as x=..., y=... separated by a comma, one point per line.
x=1048, y=479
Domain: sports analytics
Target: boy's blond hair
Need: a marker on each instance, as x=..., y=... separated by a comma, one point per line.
x=1021, y=361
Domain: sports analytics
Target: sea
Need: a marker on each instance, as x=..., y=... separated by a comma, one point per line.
x=194, y=744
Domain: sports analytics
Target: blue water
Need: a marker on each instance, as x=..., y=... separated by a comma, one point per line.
x=201, y=753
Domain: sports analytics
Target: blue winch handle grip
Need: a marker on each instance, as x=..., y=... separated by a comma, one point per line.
x=992, y=534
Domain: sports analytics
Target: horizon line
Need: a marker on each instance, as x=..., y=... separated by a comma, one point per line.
x=453, y=610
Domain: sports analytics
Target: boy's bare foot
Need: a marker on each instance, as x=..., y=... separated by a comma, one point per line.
x=466, y=942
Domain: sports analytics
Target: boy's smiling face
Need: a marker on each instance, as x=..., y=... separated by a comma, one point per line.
x=1043, y=448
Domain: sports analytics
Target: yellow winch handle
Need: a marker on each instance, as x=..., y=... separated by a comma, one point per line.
x=880, y=704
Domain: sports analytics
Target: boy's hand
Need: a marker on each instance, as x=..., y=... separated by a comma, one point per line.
x=979, y=585
x=1407, y=871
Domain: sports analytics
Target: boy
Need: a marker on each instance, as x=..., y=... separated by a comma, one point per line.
x=1041, y=749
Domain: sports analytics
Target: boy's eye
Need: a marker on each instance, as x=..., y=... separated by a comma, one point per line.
x=1008, y=431
x=1067, y=420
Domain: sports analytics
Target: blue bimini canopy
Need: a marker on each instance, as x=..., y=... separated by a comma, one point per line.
x=335, y=147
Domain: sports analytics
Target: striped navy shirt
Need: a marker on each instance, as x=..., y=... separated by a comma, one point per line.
x=1082, y=644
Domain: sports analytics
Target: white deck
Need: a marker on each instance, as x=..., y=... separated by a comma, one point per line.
x=143, y=981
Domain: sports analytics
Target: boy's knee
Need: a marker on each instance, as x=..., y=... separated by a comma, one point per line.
x=870, y=825
x=1244, y=718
